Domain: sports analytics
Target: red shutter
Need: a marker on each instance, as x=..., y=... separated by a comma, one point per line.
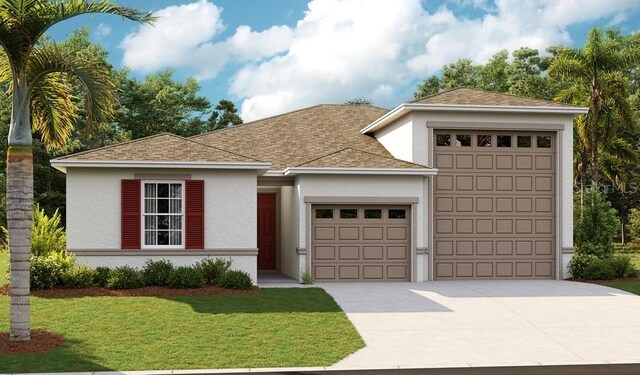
x=194, y=214
x=131, y=214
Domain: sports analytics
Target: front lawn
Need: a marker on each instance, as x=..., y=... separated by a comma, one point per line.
x=4, y=267
x=629, y=286
x=269, y=328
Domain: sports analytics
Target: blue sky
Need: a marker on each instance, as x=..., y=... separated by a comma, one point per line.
x=272, y=56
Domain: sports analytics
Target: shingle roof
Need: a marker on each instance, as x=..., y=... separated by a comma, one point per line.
x=352, y=158
x=161, y=147
x=295, y=138
x=466, y=96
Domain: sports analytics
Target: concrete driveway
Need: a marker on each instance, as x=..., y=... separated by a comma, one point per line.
x=489, y=323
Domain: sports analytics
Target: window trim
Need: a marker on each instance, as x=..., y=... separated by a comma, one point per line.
x=142, y=215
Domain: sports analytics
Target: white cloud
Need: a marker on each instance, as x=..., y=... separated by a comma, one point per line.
x=183, y=37
x=102, y=31
x=343, y=49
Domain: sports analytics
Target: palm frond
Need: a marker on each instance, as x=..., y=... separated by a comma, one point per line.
x=53, y=110
x=96, y=83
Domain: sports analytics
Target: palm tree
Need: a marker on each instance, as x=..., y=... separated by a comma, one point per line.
x=40, y=81
x=598, y=76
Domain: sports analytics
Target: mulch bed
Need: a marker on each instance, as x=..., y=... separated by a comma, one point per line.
x=149, y=291
x=620, y=280
x=40, y=341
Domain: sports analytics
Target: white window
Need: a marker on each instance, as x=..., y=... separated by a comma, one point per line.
x=162, y=214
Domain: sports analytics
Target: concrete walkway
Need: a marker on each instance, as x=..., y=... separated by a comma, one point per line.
x=489, y=323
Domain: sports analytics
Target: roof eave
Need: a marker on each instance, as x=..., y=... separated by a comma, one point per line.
x=294, y=171
x=62, y=165
x=405, y=108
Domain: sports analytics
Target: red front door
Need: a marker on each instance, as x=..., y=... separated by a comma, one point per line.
x=266, y=231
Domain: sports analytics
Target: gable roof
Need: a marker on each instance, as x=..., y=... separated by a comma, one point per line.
x=298, y=137
x=352, y=158
x=467, y=96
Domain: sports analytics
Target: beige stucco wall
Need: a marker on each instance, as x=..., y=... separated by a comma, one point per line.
x=93, y=212
x=288, y=234
x=416, y=130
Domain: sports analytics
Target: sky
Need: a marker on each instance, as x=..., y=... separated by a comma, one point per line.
x=274, y=56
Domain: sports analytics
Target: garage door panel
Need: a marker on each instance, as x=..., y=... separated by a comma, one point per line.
x=494, y=214
x=368, y=243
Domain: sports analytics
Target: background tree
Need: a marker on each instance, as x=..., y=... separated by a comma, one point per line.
x=39, y=78
x=225, y=115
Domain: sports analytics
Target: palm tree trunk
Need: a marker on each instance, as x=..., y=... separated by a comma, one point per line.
x=19, y=212
x=595, y=172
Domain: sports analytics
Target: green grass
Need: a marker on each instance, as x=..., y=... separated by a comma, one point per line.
x=4, y=267
x=270, y=328
x=629, y=286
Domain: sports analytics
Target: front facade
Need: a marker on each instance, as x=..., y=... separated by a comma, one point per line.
x=464, y=184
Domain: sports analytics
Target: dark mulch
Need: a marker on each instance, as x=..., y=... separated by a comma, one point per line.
x=619, y=280
x=149, y=291
x=40, y=341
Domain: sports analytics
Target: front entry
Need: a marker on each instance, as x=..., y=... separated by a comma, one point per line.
x=266, y=231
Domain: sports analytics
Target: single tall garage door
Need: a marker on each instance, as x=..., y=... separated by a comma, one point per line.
x=360, y=243
x=494, y=205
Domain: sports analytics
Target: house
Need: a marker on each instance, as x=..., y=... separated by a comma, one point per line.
x=464, y=184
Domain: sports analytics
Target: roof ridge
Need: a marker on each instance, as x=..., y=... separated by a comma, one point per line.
x=490, y=92
x=221, y=149
x=387, y=157
x=281, y=115
x=322, y=157
x=359, y=150
x=115, y=145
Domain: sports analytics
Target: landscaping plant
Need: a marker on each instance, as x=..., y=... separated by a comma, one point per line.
x=213, y=269
x=101, y=276
x=235, y=279
x=79, y=276
x=46, y=271
x=125, y=277
x=157, y=272
x=186, y=277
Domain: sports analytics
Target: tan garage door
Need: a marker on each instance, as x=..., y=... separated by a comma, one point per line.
x=494, y=205
x=361, y=243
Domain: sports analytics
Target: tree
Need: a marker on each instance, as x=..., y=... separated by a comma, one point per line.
x=40, y=79
x=429, y=86
x=159, y=103
x=597, y=76
x=359, y=101
x=225, y=115
x=596, y=226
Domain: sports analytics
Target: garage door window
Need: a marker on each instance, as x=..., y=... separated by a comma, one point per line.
x=524, y=141
x=544, y=141
x=463, y=140
x=373, y=214
x=484, y=140
x=504, y=141
x=443, y=140
x=348, y=213
x=324, y=213
x=397, y=214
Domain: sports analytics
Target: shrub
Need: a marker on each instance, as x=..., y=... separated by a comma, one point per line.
x=186, y=277
x=634, y=224
x=596, y=226
x=235, y=279
x=101, y=276
x=623, y=267
x=306, y=278
x=599, y=269
x=156, y=272
x=125, y=277
x=79, y=277
x=46, y=272
x=579, y=263
x=213, y=269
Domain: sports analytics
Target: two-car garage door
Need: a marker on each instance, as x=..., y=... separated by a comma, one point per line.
x=494, y=205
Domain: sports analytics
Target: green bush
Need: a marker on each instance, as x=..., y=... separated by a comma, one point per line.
x=101, y=276
x=79, y=277
x=597, y=225
x=579, y=262
x=125, y=277
x=47, y=234
x=186, y=277
x=634, y=224
x=623, y=267
x=306, y=278
x=46, y=272
x=156, y=272
x=213, y=269
x=235, y=279
x=599, y=269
